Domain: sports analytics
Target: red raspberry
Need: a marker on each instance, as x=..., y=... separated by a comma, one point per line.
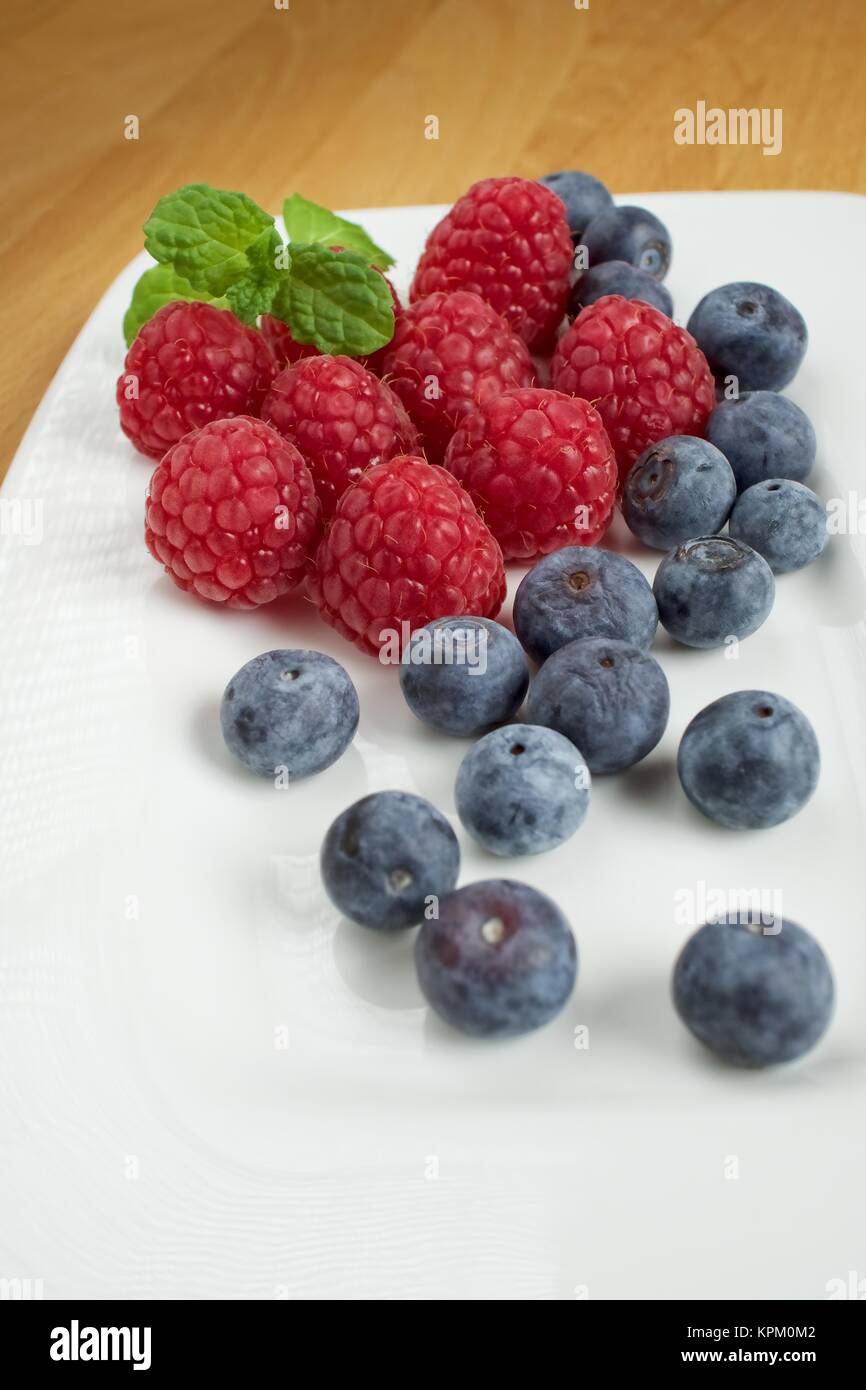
x=646, y=376
x=539, y=467
x=451, y=352
x=341, y=417
x=406, y=546
x=190, y=364
x=508, y=240
x=279, y=338
x=232, y=513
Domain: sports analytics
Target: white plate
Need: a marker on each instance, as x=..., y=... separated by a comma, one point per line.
x=213, y=1087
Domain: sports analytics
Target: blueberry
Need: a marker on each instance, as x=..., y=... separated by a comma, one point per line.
x=629, y=234
x=583, y=591
x=461, y=675
x=763, y=435
x=522, y=789
x=784, y=521
x=753, y=997
x=750, y=332
x=386, y=856
x=583, y=195
x=713, y=588
x=678, y=488
x=618, y=277
x=499, y=961
x=293, y=710
x=749, y=760
x=610, y=698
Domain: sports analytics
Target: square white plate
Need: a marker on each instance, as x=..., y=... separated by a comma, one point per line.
x=210, y=1086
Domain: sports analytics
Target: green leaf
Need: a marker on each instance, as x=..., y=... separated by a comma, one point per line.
x=308, y=222
x=206, y=233
x=337, y=302
x=254, y=293
x=157, y=286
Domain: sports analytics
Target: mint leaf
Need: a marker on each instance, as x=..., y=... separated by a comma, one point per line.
x=337, y=302
x=254, y=293
x=158, y=286
x=308, y=222
x=205, y=233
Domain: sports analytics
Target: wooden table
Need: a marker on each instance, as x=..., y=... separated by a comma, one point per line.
x=330, y=97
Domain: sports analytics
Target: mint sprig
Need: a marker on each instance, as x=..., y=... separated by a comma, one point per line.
x=254, y=292
x=219, y=246
x=336, y=302
x=308, y=222
x=205, y=234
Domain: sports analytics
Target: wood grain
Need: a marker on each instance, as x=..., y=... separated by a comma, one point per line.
x=330, y=97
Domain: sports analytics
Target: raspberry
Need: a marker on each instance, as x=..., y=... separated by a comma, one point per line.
x=508, y=240
x=341, y=417
x=190, y=364
x=406, y=546
x=232, y=513
x=278, y=335
x=645, y=375
x=539, y=467
x=450, y=353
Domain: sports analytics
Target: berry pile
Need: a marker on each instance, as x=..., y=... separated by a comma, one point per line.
x=311, y=432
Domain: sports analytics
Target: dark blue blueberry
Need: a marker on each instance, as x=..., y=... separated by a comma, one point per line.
x=713, y=588
x=583, y=195
x=678, y=488
x=784, y=521
x=618, y=277
x=583, y=591
x=763, y=435
x=750, y=332
x=462, y=675
x=754, y=996
x=610, y=698
x=387, y=857
x=629, y=234
x=294, y=710
x=522, y=790
x=499, y=961
x=749, y=760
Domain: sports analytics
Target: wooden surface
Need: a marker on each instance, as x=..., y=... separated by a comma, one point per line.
x=329, y=97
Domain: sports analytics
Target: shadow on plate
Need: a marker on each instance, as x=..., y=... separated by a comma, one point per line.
x=654, y=778
x=378, y=967
x=207, y=739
